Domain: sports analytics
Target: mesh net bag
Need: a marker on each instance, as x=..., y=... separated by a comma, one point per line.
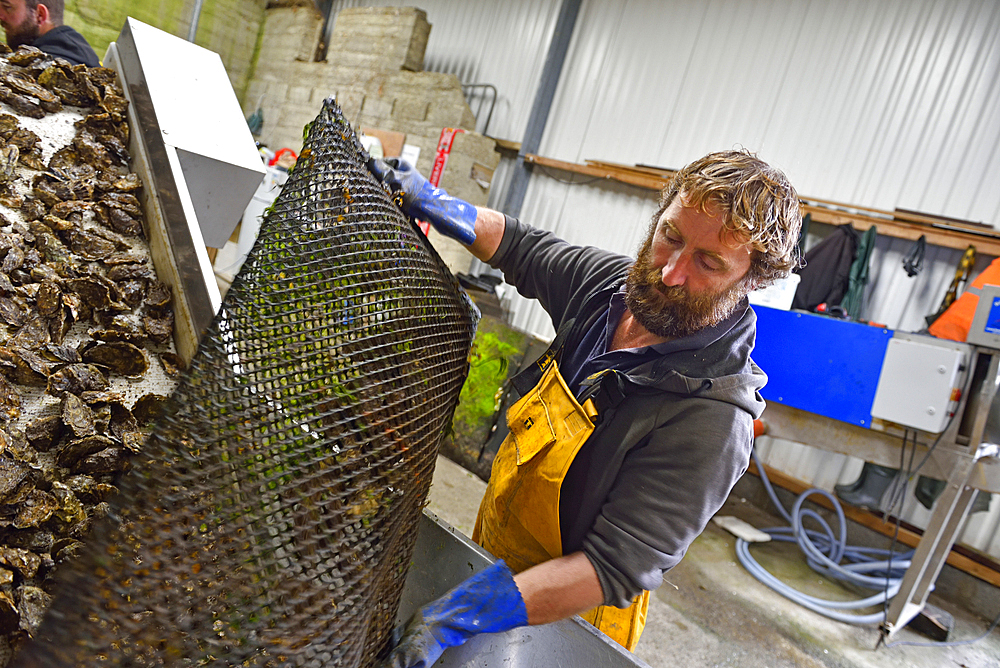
x=270, y=518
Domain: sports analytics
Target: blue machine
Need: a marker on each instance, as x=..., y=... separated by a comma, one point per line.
x=819, y=364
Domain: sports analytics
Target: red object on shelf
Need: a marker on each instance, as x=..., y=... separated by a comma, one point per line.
x=280, y=154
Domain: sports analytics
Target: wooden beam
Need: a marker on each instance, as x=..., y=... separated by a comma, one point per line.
x=980, y=566
x=641, y=180
x=900, y=225
x=948, y=238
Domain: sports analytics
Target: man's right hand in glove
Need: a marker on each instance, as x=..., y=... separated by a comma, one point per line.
x=450, y=216
x=488, y=602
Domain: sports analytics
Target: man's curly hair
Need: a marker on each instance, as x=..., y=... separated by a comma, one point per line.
x=759, y=205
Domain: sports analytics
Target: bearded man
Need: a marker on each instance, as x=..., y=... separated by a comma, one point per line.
x=635, y=425
x=39, y=23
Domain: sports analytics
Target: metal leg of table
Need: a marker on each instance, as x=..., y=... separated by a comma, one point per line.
x=946, y=523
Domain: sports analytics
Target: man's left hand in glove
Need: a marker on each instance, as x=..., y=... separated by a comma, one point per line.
x=449, y=215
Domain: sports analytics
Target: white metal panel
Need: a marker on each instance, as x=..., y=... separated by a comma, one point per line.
x=887, y=104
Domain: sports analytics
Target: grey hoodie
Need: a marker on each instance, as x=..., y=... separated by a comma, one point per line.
x=662, y=460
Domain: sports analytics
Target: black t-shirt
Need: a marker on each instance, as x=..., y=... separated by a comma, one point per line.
x=64, y=42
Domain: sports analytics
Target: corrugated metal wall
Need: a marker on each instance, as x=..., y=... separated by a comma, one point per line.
x=888, y=104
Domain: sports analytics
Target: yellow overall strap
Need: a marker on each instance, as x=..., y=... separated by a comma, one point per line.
x=519, y=516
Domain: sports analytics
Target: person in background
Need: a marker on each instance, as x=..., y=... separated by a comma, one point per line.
x=634, y=426
x=39, y=23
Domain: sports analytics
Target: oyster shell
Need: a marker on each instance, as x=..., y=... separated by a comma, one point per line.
x=12, y=475
x=72, y=88
x=76, y=378
x=23, y=561
x=33, y=334
x=159, y=327
x=95, y=292
x=24, y=367
x=10, y=618
x=121, y=357
x=63, y=353
x=38, y=507
x=12, y=260
x=78, y=416
x=53, y=250
x=66, y=209
x=12, y=312
x=32, y=209
x=49, y=298
x=8, y=162
x=88, y=245
x=133, y=292
x=41, y=273
x=124, y=202
x=128, y=183
x=20, y=103
x=10, y=401
x=115, y=104
x=73, y=451
x=10, y=199
x=32, y=159
x=123, y=223
x=109, y=460
x=159, y=295
x=33, y=604
x=45, y=432
x=148, y=407
x=122, y=421
x=172, y=363
x=23, y=139
x=26, y=55
x=122, y=272
x=133, y=440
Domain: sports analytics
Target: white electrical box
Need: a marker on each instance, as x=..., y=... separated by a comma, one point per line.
x=920, y=381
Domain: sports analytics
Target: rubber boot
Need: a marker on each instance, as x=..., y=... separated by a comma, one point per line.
x=929, y=489
x=867, y=490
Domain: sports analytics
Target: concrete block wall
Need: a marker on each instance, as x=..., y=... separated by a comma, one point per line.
x=291, y=34
x=370, y=70
x=380, y=37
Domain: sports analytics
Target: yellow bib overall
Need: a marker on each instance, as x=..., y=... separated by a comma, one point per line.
x=519, y=516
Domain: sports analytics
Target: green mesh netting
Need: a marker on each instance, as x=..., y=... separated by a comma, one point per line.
x=270, y=518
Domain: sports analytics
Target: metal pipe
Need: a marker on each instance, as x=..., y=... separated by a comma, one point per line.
x=551, y=72
x=195, y=15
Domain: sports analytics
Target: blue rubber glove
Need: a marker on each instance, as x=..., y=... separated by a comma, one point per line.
x=488, y=602
x=450, y=216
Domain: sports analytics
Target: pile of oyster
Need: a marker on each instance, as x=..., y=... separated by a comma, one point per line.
x=83, y=320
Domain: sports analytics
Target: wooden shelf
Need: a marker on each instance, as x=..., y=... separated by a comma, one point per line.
x=902, y=225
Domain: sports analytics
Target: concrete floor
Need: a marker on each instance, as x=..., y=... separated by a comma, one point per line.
x=713, y=613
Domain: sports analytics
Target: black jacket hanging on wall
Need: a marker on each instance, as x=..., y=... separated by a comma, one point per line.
x=828, y=267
